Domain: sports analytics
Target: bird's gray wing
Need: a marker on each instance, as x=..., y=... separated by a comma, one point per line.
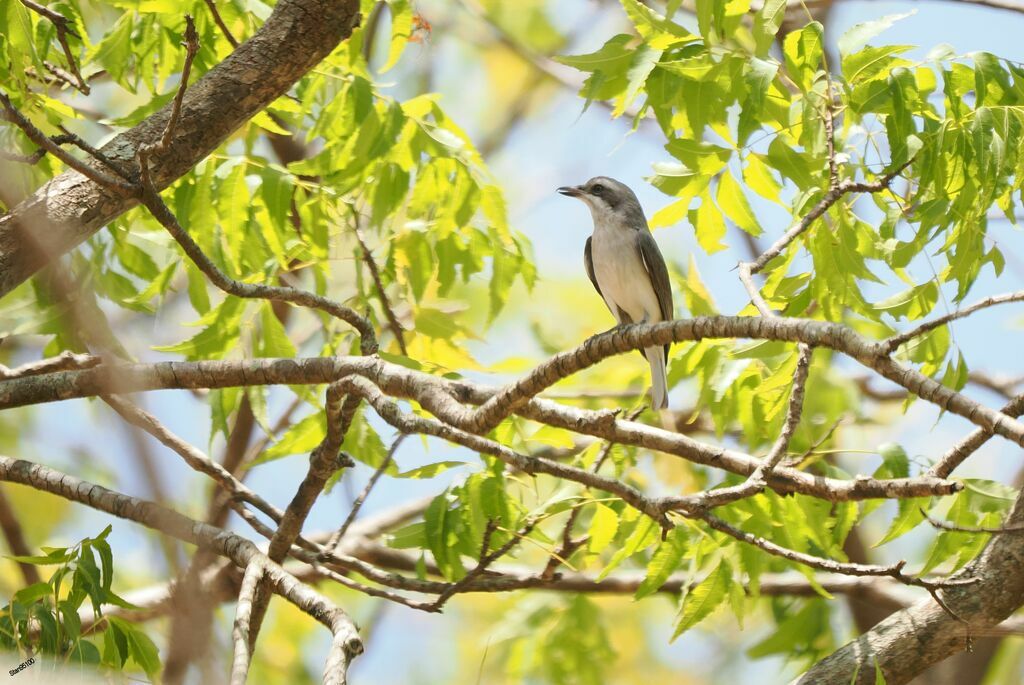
x=658, y=273
x=588, y=263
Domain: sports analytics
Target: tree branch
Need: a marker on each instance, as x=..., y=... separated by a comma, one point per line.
x=437, y=394
x=240, y=630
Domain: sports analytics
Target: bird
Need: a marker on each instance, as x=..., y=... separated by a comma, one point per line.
x=626, y=267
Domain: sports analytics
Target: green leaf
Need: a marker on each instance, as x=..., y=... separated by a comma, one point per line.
x=908, y=517
x=645, y=534
x=220, y=335
x=871, y=62
x=114, y=51
x=913, y=303
x=401, y=30
x=197, y=293
x=858, y=35
x=274, y=340
x=115, y=645
x=57, y=556
x=734, y=203
x=766, y=24
x=698, y=299
x=708, y=223
x=758, y=176
x=603, y=526
x=302, y=437
x=32, y=593
x=430, y=470
x=700, y=602
x=663, y=563
x=608, y=68
x=660, y=33
x=699, y=157
x=140, y=648
x=803, y=52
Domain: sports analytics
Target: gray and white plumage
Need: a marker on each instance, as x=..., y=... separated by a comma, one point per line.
x=626, y=267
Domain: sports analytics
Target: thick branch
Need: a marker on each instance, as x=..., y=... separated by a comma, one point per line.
x=439, y=395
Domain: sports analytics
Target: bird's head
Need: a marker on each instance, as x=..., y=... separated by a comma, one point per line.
x=610, y=201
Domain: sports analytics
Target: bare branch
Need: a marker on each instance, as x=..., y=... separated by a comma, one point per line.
x=62, y=362
x=389, y=312
x=192, y=456
x=211, y=4
x=358, y=504
x=437, y=394
x=240, y=631
x=895, y=341
x=959, y=452
x=323, y=462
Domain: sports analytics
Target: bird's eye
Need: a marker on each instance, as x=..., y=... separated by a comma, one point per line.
x=597, y=189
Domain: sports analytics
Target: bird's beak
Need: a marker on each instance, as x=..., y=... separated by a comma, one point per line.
x=571, y=191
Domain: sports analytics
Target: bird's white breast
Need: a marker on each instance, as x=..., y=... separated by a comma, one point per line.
x=621, y=273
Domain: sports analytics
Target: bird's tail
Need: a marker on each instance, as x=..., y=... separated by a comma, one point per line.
x=659, y=378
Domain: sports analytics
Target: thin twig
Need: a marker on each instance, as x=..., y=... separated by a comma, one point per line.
x=371, y=265
x=758, y=480
x=42, y=140
x=946, y=525
x=60, y=23
x=33, y=158
x=191, y=45
x=192, y=456
x=339, y=534
x=217, y=19
x=833, y=195
x=486, y=559
x=891, y=570
x=151, y=199
x=890, y=344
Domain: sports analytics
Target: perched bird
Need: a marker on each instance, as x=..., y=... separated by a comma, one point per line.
x=625, y=265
